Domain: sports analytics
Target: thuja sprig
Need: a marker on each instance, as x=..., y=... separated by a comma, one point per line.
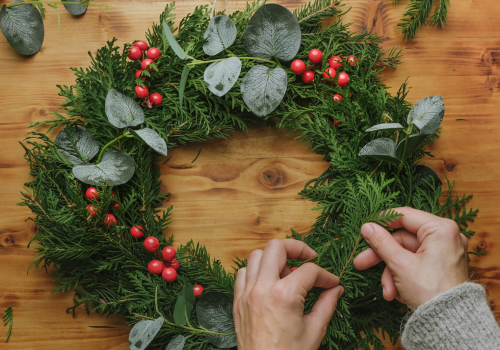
x=8, y=319
x=417, y=13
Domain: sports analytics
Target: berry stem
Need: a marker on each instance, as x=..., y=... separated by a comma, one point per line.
x=85, y=2
x=196, y=62
x=125, y=134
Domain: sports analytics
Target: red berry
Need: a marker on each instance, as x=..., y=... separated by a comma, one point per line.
x=92, y=193
x=169, y=274
x=298, y=66
x=155, y=98
x=334, y=62
x=352, y=60
x=336, y=122
x=113, y=194
x=120, y=235
x=308, y=77
x=142, y=92
x=173, y=264
x=197, y=289
x=137, y=232
x=110, y=220
x=294, y=268
x=151, y=244
x=154, y=53
x=168, y=253
x=115, y=206
x=135, y=53
x=337, y=98
x=156, y=267
x=315, y=56
x=329, y=73
x=142, y=45
x=92, y=209
x=147, y=62
x=343, y=79
x=138, y=74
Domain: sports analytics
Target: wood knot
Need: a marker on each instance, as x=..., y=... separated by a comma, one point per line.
x=481, y=246
x=487, y=59
x=41, y=111
x=6, y=240
x=271, y=177
x=258, y=221
x=449, y=166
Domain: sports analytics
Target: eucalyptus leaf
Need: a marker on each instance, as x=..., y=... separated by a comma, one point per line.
x=143, y=333
x=221, y=76
x=263, y=89
x=75, y=10
x=273, y=31
x=173, y=43
x=214, y=312
x=382, y=149
x=428, y=113
x=23, y=27
x=182, y=84
x=220, y=34
x=184, y=305
x=123, y=111
x=85, y=143
x=177, y=343
x=413, y=142
x=385, y=126
x=152, y=139
x=426, y=178
x=116, y=168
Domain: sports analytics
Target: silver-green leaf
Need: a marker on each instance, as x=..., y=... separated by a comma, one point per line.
x=78, y=148
x=123, y=111
x=115, y=168
x=23, y=27
x=263, y=89
x=173, y=43
x=177, y=343
x=428, y=113
x=75, y=10
x=385, y=126
x=182, y=84
x=221, y=76
x=143, y=333
x=382, y=149
x=220, y=34
x=413, y=142
x=214, y=311
x=273, y=31
x=152, y=139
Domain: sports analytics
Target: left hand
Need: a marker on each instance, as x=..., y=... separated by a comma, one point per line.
x=269, y=299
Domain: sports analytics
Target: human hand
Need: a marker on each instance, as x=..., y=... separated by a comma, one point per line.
x=426, y=257
x=269, y=300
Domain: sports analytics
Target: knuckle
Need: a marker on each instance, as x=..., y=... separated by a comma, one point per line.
x=377, y=240
x=451, y=226
x=257, y=293
x=280, y=292
x=256, y=253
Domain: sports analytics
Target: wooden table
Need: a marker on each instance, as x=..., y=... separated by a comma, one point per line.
x=242, y=192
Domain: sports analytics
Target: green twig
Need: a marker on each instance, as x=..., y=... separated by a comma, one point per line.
x=8, y=319
x=196, y=62
x=125, y=134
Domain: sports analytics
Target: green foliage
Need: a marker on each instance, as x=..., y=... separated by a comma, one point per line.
x=417, y=15
x=8, y=319
x=107, y=268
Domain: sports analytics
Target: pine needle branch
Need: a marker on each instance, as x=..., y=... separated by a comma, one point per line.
x=8, y=319
x=415, y=16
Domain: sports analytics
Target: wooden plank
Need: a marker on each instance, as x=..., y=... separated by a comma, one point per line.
x=243, y=191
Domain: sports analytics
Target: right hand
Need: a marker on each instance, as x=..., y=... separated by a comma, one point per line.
x=426, y=257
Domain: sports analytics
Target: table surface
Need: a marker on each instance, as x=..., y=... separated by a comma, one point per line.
x=242, y=192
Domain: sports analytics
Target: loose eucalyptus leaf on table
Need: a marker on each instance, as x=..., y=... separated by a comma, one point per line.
x=263, y=89
x=214, y=312
x=385, y=126
x=221, y=76
x=427, y=114
x=86, y=145
x=380, y=149
x=273, y=31
x=123, y=111
x=75, y=10
x=413, y=142
x=152, y=139
x=220, y=34
x=177, y=343
x=143, y=333
x=115, y=168
x=23, y=27
x=184, y=305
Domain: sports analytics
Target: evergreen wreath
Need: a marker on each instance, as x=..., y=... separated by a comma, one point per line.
x=372, y=140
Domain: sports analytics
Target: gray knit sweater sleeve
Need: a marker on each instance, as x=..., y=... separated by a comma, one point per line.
x=459, y=319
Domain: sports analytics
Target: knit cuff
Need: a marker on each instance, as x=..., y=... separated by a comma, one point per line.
x=457, y=319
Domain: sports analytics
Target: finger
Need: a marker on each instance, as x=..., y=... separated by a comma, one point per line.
x=384, y=244
x=412, y=220
x=275, y=255
x=366, y=259
x=389, y=286
x=253, y=268
x=323, y=309
x=310, y=275
x=239, y=285
x=286, y=271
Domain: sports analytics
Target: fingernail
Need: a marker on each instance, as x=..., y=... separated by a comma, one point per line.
x=341, y=291
x=366, y=231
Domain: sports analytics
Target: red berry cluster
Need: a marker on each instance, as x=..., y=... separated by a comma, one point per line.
x=110, y=219
x=136, y=52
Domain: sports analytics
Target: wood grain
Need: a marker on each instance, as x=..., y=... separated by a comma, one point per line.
x=243, y=191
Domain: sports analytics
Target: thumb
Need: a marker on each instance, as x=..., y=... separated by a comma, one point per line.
x=384, y=244
x=323, y=310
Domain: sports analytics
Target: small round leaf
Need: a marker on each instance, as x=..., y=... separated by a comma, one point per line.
x=263, y=89
x=214, y=311
x=380, y=149
x=86, y=145
x=221, y=76
x=177, y=343
x=428, y=113
x=75, y=10
x=426, y=178
x=115, y=168
x=23, y=27
x=143, y=333
x=220, y=34
x=152, y=139
x=123, y=111
x=273, y=31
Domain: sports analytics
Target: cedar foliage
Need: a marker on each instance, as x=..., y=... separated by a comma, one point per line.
x=109, y=272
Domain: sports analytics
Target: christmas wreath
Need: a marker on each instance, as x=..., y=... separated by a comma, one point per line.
x=95, y=189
